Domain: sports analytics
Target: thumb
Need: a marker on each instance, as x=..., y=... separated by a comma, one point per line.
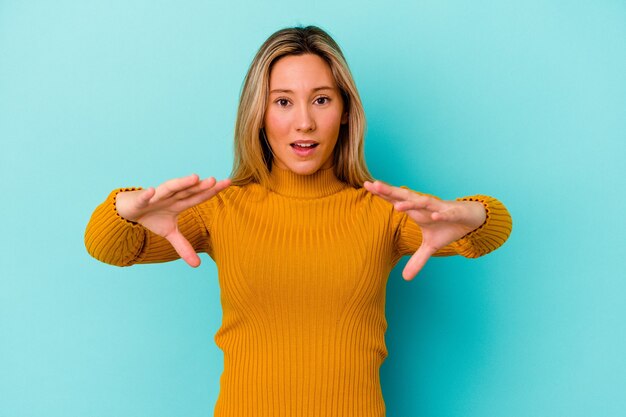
x=417, y=262
x=183, y=248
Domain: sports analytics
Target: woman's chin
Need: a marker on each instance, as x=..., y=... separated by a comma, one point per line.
x=304, y=168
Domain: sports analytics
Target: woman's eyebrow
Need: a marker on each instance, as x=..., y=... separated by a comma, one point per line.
x=282, y=90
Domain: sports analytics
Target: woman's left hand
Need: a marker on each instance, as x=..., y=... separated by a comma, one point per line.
x=442, y=222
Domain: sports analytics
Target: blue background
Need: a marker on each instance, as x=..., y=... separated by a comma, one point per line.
x=525, y=101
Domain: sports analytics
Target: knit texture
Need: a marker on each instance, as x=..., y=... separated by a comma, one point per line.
x=302, y=268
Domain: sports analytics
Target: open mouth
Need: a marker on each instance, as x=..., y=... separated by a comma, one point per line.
x=304, y=149
x=304, y=145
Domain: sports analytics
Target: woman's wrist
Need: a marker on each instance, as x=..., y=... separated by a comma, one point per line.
x=123, y=204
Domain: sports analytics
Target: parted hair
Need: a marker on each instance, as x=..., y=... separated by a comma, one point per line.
x=253, y=157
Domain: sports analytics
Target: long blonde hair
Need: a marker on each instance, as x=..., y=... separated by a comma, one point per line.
x=253, y=156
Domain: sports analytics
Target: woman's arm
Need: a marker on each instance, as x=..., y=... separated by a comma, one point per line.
x=153, y=225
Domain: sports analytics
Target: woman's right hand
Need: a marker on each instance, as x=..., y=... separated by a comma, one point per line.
x=157, y=209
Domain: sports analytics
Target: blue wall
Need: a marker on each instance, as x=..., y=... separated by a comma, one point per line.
x=525, y=101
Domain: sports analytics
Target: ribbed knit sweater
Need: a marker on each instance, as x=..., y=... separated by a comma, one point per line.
x=302, y=270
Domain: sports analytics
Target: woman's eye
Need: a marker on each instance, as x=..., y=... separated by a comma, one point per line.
x=322, y=100
x=282, y=102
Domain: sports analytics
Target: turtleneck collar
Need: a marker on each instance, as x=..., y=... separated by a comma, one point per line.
x=319, y=184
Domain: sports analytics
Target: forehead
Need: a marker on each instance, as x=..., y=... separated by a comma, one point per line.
x=301, y=72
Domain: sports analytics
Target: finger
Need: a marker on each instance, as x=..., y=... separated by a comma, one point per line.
x=222, y=185
x=395, y=194
x=380, y=189
x=200, y=186
x=416, y=262
x=421, y=202
x=184, y=248
x=216, y=186
x=170, y=187
x=450, y=215
x=205, y=195
x=144, y=198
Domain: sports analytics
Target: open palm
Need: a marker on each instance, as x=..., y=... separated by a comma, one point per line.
x=441, y=222
x=157, y=209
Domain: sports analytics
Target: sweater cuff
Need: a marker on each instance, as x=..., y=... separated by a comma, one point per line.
x=113, y=198
x=491, y=234
x=111, y=238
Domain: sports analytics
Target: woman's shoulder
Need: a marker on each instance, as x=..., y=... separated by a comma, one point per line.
x=230, y=196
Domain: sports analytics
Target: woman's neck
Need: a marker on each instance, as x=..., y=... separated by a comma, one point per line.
x=321, y=183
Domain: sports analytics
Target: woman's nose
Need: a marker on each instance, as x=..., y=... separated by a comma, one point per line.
x=305, y=121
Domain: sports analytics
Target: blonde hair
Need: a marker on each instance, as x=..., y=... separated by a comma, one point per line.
x=253, y=156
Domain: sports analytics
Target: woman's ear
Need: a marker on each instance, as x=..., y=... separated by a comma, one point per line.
x=344, y=118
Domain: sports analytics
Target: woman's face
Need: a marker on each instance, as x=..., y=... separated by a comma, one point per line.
x=304, y=113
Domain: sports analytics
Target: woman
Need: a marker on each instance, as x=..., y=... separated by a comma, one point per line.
x=304, y=240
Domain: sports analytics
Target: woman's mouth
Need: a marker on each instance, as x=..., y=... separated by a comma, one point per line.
x=304, y=148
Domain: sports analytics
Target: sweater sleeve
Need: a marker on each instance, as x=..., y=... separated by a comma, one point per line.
x=114, y=240
x=488, y=237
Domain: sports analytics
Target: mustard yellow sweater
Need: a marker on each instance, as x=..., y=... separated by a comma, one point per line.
x=302, y=270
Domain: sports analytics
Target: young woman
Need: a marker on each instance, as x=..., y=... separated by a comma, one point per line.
x=303, y=238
